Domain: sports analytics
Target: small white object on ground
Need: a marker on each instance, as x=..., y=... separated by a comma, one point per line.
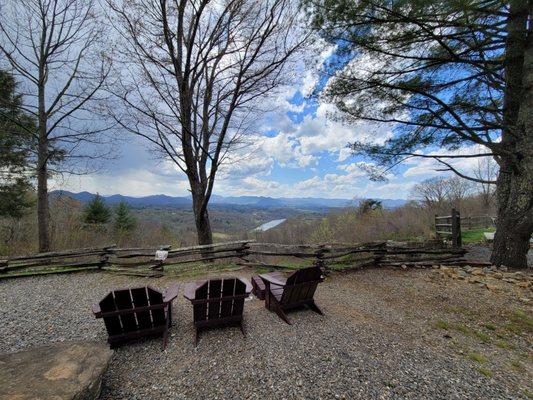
x=161, y=255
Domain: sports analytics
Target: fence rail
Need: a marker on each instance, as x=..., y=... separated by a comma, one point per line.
x=142, y=261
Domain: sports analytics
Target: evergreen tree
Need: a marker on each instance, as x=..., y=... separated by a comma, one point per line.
x=125, y=222
x=446, y=75
x=96, y=211
x=16, y=129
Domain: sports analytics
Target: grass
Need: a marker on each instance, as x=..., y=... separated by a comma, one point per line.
x=474, y=235
x=479, y=358
x=441, y=324
x=484, y=371
x=519, y=322
x=503, y=344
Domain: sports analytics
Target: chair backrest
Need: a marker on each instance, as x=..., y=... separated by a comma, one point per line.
x=219, y=299
x=128, y=300
x=301, y=285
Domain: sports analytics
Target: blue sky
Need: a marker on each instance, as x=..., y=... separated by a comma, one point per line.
x=298, y=150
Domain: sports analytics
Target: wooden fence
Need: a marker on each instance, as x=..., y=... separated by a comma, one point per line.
x=245, y=253
x=450, y=226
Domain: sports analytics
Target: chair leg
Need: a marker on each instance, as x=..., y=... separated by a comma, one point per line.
x=315, y=308
x=195, y=337
x=278, y=310
x=242, y=328
x=165, y=339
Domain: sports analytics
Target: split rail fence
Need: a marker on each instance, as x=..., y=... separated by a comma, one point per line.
x=243, y=253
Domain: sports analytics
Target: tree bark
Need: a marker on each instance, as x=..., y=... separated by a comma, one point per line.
x=43, y=212
x=201, y=218
x=515, y=180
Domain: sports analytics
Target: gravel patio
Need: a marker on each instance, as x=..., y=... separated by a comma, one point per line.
x=386, y=334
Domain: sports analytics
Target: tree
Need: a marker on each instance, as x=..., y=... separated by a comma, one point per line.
x=433, y=193
x=445, y=74
x=54, y=47
x=194, y=75
x=368, y=205
x=124, y=221
x=15, y=138
x=96, y=211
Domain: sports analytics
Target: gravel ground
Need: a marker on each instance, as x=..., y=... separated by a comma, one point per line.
x=481, y=252
x=386, y=334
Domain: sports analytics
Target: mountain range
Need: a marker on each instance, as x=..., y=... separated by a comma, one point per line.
x=161, y=200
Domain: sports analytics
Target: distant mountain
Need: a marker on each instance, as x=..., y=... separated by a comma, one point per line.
x=161, y=200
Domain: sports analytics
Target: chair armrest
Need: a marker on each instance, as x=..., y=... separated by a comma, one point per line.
x=190, y=291
x=272, y=280
x=171, y=293
x=248, y=288
x=96, y=309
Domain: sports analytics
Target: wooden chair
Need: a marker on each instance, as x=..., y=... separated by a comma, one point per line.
x=217, y=302
x=298, y=289
x=129, y=314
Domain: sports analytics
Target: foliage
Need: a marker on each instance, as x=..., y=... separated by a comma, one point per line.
x=16, y=129
x=369, y=205
x=431, y=67
x=96, y=211
x=125, y=222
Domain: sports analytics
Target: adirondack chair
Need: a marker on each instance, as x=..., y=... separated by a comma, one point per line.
x=217, y=302
x=129, y=314
x=282, y=294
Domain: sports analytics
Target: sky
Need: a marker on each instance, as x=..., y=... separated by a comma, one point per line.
x=298, y=150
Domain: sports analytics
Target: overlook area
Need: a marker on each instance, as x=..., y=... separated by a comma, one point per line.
x=385, y=333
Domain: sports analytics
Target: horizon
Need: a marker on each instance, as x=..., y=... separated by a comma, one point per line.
x=227, y=196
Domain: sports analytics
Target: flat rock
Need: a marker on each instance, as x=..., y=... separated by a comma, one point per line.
x=61, y=371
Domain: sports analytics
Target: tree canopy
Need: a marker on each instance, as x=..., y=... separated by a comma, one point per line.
x=15, y=134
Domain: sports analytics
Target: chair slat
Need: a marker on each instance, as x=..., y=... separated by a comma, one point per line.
x=123, y=302
x=140, y=299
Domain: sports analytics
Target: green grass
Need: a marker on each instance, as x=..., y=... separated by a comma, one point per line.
x=484, y=371
x=479, y=358
x=442, y=324
x=474, y=235
x=503, y=344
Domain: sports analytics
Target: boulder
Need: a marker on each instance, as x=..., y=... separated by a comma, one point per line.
x=61, y=371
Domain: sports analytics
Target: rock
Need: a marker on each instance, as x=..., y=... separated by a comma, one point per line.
x=497, y=275
x=61, y=371
x=523, y=284
x=461, y=274
x=477, y=271
x=404, y=266
x=468, y=268
x=487, y=270
x=474, y=280
x=491, y=287
x=504, y=268
x=524, y=300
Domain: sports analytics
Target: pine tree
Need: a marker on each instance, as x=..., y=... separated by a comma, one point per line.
x=96, y=211
x=16, y=129
x=125, y=222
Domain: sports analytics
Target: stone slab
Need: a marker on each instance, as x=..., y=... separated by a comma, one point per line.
x=61, y=371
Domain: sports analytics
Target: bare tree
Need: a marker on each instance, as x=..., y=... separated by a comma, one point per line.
x=486, y=171
x=433, y=193
x=194, y=74
x=52, y=47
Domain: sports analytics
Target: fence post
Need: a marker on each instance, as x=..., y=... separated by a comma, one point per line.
x=456, y=228
x=437, y=235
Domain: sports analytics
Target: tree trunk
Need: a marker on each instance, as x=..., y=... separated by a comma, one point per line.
x=43, y=212
x=515, y=217
x=515, y=181
x=201, y=218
